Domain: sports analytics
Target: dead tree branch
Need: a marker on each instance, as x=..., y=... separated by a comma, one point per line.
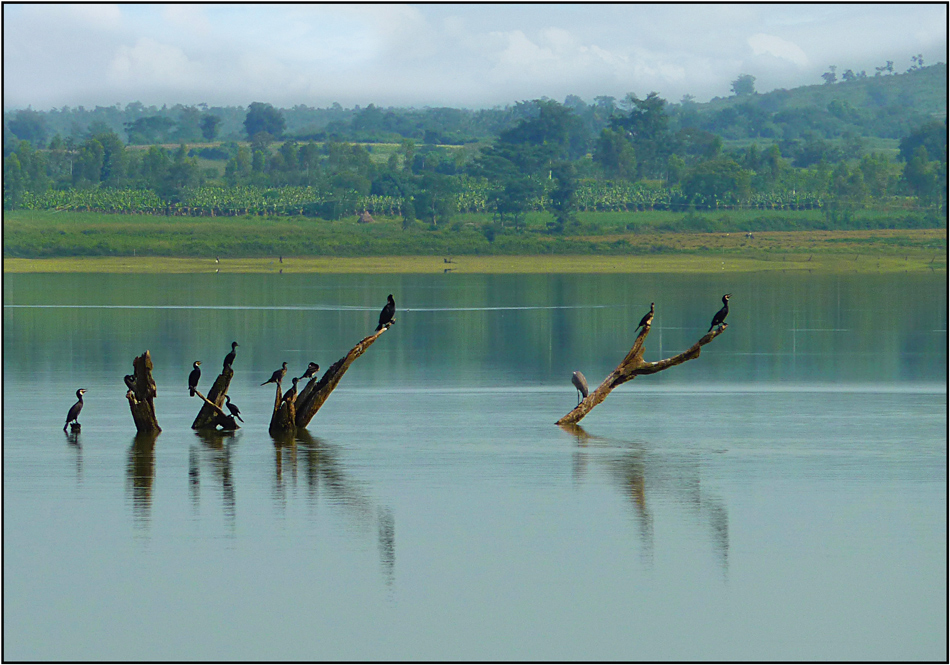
x=633, y=366
x=312, y=397
x=211, y=414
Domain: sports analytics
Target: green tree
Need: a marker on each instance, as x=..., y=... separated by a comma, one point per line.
x=208, y=125
x=647, y=128
x=150, y=129
x=563, y=198
x=263, y=118
x=616, y=155
x=14, y=182
x=87, y=169
x=238, y=169
x=744, y=85
x=29, y=125
x=716, y=182
x=114, y=162
x=921, y=176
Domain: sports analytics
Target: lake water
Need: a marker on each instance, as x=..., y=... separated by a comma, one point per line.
x=781, y=497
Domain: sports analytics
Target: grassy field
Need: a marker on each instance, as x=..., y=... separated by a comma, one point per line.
x=603, y=242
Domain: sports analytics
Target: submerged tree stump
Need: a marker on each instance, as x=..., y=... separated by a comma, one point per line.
x=212, y=415
x=633, y=366
x=282, y=419
x=141, y=394
x=315, y=393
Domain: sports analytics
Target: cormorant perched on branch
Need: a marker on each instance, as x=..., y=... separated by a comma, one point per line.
x=389, y=311
x=193, y=378
x=721, y=314
x=580, y=382
x=235, y=412
x=129, y=382
x=73, y=414
x=647, y=318
x=312, y=369
x=292, y=393
x=228, y=359
x=277, y=376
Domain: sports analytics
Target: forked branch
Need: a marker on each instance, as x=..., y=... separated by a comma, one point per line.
x=633, y=366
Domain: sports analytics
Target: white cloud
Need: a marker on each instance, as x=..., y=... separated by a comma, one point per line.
x=159, y=64
x=762, y=43
x=474, y=55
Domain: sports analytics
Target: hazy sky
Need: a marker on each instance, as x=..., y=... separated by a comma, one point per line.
x=441, y=55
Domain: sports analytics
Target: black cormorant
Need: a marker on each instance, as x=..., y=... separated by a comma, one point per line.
x=73, y=415
x=228, y=359
x=721, y=314
x=235, y=412
x=389, y=311
x=292, y=393
x=312, y=369
x=647, y=318
x=580, y=382
x=278, y=375
x=129, y=382
x=193, y=378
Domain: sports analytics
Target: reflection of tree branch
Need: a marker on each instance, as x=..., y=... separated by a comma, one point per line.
x=217, y=442
x=640, y=476
x=140, y=473
x=322, y=463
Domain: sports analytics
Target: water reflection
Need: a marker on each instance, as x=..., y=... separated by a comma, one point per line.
x=72, y=439
x=216, y=444
x=140, y=477
x=641, y=474
x=323, y=468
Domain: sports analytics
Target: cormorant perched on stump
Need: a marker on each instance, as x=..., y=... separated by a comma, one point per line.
x=292, y=393
x=277, y=376
x=647, y=318
x=73, y=415
x=312, y=369
x=228, y=359
x=389, y=311
x=721, y=314
x=129, y=382
x=580, y=382
x=193, y=378
x=235, y=412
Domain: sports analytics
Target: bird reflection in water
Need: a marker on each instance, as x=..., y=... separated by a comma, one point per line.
x=216, y=445
x=72, y=439
x=641, y=473
x=324, y=471
x=140, y=477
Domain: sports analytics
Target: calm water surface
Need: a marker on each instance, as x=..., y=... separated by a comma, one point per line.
x=782, y=497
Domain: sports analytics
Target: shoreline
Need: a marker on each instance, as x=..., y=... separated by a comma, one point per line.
x=668, y=263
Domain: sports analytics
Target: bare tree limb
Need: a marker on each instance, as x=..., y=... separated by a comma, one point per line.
x=211, y=414
x=633, y=366
x=312, y=397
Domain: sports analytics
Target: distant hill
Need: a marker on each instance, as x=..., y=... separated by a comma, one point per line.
x=885, y=107
x=877, y=110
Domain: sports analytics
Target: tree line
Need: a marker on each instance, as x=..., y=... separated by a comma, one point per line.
x=544, y=156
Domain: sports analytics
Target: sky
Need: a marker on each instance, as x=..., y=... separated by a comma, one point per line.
x=428, y=55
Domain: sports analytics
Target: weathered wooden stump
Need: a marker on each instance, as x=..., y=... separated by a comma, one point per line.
x=282, y=419
x=315, y=393
x=633, y=366
x=212, y=415
x=141, y=394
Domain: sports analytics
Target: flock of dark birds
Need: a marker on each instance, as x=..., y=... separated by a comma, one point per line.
x=385, y=318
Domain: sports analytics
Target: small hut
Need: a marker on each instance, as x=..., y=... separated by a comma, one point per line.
x=365, y=218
